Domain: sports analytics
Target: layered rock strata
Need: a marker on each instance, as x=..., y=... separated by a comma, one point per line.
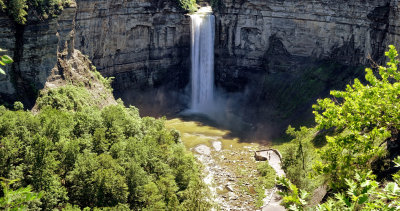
x=145, y=43
x=140, y=43
x=35, y=48
x=269, y=36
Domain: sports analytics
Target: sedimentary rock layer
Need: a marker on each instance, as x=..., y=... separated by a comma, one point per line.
x=271, y=36
x=141, y=43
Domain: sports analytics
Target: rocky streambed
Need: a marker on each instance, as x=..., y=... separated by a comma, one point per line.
x=230, y=166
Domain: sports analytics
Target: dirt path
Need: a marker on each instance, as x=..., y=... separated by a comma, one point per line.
x=272, y=200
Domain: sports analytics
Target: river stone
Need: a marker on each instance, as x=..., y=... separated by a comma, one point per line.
x=229, y=187
x=217, y=145
x=203, y=150
x=261, y=155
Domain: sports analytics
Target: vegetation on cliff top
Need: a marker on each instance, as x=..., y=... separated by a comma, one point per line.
x=39, y=9
x=188, y=5
x=358, y=123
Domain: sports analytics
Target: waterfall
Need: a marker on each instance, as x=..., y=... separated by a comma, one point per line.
x=202, y=55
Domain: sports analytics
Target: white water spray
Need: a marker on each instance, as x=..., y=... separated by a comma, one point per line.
x=203, y=31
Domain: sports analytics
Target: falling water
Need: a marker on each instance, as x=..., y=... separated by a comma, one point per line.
x=203, y=30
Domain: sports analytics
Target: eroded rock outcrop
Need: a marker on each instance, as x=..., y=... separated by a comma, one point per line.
x=76, y=69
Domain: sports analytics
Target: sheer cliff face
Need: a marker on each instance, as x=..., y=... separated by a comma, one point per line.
x=35, y=49
x=269, y=36
x=141, y=43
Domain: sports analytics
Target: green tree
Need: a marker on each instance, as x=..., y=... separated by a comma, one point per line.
x=368, y=115
x=17, y=10
x=363, y=118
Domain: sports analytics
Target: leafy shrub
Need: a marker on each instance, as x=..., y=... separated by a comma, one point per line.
x=298, y=157
x=188, y=5
x=18, y=106
x=363, y=193
x=106, y=81
x=368, y=116
x=4, y=59
x=293, y=197
x=68, y=97
x=16, y=199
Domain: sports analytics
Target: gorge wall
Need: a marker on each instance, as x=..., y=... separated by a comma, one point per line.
x=273, y=48
x=269, y=36
x=288, y=53
x=140, y=43
x=35, y=48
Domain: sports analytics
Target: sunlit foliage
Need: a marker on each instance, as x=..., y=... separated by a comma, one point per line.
x=41, y=9
x=84, y=156
x=364, y=118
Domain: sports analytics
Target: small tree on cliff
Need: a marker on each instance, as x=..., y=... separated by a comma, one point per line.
x=5, y=59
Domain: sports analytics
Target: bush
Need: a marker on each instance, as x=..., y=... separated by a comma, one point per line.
x=188, y=5
x=298, y=158
x=68, y=97
x=368, y=116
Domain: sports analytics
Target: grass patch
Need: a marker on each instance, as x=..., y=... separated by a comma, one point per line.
x=265, y=181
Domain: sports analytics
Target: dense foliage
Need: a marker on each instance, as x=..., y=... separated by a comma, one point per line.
x=188, y=5
x=368, y=116
x=363, y=119
x=69, y=97
x=298, y=157
x=74, y=153
x=40, y=9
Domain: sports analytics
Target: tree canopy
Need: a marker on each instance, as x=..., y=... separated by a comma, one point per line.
x=78, y=155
